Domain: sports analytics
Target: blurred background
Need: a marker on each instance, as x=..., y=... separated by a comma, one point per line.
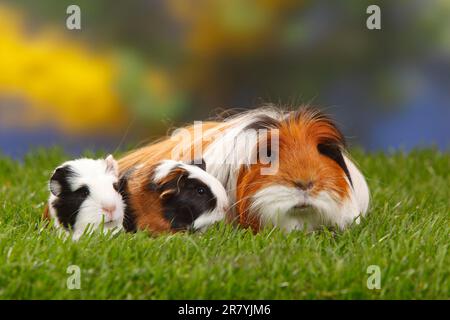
x=138, y=68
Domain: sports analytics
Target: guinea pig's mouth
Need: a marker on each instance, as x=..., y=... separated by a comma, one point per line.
x=301, y=208
x=109, y=224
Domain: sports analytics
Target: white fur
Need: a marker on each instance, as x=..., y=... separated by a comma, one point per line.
x=206, y=218
x=233, y=147
x=164, y=168
x=360, y=187
x=276, y=205
x=99, y=176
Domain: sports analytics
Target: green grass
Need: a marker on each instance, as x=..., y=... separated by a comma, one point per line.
x=406, y=234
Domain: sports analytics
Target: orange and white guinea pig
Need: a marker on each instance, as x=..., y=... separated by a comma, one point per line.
x=312, y=183
x=171, y=196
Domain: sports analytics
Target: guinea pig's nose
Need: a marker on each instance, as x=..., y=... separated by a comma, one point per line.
x=304, y=185
x=109, y=209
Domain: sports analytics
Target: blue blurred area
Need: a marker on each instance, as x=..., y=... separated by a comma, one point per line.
x=420, y=120
x=423, y=121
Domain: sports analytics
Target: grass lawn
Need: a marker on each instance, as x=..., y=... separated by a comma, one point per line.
x=406, y=234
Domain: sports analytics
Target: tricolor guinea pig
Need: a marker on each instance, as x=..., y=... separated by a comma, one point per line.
x=288, y=169
x=172, y=196
x=85, y=192
x=314, y=183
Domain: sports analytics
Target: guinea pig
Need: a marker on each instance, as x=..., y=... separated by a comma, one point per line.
x=85, y=192
x=315, y=183
x=288, y=169
x=172, y=196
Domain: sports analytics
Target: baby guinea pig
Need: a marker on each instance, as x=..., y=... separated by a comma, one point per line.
x=173, y=196
x=84, y=193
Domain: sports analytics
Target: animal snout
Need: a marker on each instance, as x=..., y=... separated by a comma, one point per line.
x=304, y=184
x=109, y=209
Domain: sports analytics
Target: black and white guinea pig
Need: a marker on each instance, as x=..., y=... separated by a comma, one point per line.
x=85, y=192
x=172, y=196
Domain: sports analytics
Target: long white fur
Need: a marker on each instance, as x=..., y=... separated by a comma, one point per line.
x=276, y=206
x=360, y=187
x=234, y=147
x=99, y=176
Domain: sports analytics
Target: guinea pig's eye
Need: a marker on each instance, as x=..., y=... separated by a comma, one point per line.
x=84, y=191
x=116, y=186
x=201, y=190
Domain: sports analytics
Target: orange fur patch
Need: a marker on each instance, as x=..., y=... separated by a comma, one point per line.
x=146, y=205
x=162, y=150
x=46, y=213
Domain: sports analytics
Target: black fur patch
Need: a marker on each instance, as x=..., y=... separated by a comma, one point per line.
x=129, y=219
x=190, y=199
x=333, y=151
x=68, y=202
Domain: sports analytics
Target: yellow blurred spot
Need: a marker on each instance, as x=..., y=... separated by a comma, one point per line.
x=233, y=26
x=60, y=80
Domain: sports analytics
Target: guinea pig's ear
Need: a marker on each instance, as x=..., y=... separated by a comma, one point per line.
x=199, y=163
x=57, y=180
x=171, y=185
x=167, y=193
x=164, y=191
x=111, y=165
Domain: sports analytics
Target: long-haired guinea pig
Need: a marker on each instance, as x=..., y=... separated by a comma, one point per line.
x=311, y=181
x=172, y=196
x=315, y=183
x=84, y=193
